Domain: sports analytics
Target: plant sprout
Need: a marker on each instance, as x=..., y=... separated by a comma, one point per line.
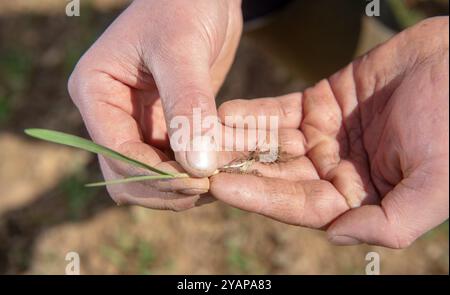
x=90, y=146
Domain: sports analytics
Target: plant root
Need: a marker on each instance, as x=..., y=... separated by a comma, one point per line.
x=242, y=165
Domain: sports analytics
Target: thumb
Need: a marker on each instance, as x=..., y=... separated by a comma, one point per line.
x=184, y=85
x=405, y=213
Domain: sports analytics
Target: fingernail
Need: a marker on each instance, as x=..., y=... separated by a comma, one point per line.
x=202, y=156
x=193, y=191
x=344, y=240
x=354, y=202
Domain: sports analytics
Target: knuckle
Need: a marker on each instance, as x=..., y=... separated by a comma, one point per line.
x=192, y=98
x=291, y=107
x=71, y=84
x=78, y=80
x=228, y=108
x=332, y=122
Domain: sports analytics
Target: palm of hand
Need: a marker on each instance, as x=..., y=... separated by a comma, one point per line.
x=373, y=135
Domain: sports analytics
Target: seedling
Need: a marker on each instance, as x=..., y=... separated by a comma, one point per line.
x=237, y=166
x=90, y=146
x=241, y=165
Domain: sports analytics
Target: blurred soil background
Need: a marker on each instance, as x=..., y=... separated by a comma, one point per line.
x=45, y=212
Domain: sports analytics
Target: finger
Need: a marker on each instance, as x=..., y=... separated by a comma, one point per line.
x=240, y=144
x=328, y=148
x=184, y=185
x=172, y=195
x=109, y=119
x=184, y=84
x=296, y=169
x=312, y=203
x=410, y=209
x=345, y=175
x=287, y=141
x=287, y=109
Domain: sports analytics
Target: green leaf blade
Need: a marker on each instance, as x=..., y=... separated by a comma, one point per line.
x=134, y=179
x=90, y=146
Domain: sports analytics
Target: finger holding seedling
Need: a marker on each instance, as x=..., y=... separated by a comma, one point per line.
x=179, y=62
x=178, y=193
x=157, y=61
x=159, y=184
x=188, y=65
x=115, y=127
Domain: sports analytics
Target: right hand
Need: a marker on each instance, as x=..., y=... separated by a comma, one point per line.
x=371, y=146
x=158, y=60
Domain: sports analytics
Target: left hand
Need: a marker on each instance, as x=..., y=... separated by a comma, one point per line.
x=157, y=61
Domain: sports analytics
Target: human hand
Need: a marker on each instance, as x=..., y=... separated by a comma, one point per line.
x=158, y=60
x=374, y=145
